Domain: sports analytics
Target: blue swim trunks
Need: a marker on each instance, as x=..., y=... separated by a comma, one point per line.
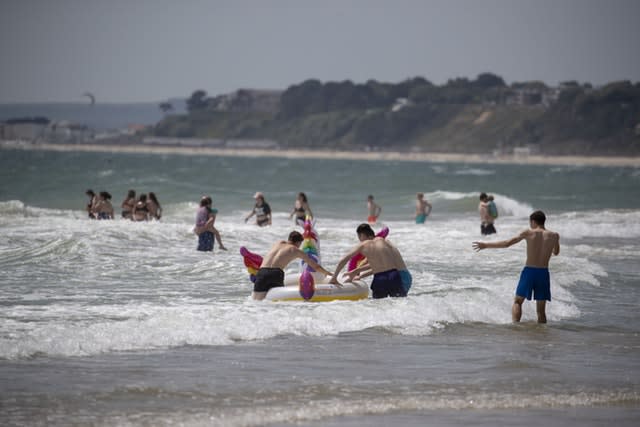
x=421, y=218
x=407, y=280
x=536, y=281
x=205, y=241
x=387, y=284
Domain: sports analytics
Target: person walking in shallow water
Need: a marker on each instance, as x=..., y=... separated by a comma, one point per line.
x=301, y=209
x=271, y=272
x=103, y=208
x=128, y=204
x=534, y=279
x=486, y=220
x=261, y=210
x=205, y=226
x=385, y=263
x=423, y=208
x=153, y=205
x=373, y=209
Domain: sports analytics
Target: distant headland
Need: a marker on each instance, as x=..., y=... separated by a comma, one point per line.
x=482, y=116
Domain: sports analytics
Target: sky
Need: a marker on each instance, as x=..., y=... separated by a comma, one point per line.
x=153, y=50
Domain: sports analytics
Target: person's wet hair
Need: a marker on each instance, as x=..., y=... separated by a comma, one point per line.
x=483, y=196
x=105, y=195
x=366, y=230
x=295, y=237
x=538, y=217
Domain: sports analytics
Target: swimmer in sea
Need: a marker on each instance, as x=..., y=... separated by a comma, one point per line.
x=261, y=210
x=271, y=272
x=103, y=208
x=423, y=208
x=374, y=210
x=301, y=209
x=534, y=279
x=382, y=257
x=205, y=226
x=128, y=204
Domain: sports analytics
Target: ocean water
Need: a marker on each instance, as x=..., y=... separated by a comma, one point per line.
x=100, y=116
x=118, y=323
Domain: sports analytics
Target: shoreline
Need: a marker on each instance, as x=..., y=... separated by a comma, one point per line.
x=429, y=157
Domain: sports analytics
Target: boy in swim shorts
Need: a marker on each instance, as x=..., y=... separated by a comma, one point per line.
x=383, y=261
x=534, y=282
x=271, y=272
x=534, y=279
x=267, y=278
x=387, y=284
x=423, y=208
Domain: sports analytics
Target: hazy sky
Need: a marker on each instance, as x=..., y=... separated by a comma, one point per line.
x=150, y=50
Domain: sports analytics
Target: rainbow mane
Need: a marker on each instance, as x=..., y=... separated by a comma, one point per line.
x=311, y=247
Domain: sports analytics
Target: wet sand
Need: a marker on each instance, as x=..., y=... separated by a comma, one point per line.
x=331, y=154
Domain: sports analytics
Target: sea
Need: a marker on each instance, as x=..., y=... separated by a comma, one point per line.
x=120, y=323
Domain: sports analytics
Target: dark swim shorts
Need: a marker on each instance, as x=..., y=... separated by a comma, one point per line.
x=487, y=229
x=268, y=278
x=205, y=241
x=536, y=281
x=387, y=284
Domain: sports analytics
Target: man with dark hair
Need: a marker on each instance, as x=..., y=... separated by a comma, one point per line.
x=486, y=220
x=534, y=279
x=271, y=272
x=382, y=258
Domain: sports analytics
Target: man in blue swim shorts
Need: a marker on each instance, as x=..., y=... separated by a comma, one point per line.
x=382, y=261
x=534, y=282
x=534, y=279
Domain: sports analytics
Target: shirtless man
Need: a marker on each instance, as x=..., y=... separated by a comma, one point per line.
x=423, y=208
x=271, y=272
x=382, y=258
x=486, y=220
x=374, y=210
x=534, y=279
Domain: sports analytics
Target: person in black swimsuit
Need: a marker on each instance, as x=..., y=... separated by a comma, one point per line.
x=261, y=210
x=301, y=209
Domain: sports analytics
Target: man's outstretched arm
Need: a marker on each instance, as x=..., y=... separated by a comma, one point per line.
x=478, y=246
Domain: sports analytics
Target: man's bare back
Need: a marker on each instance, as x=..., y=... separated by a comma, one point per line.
x=541, y=244
x=280, y=255
x=379, y=253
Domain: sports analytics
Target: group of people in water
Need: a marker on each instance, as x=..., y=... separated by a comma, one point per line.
x=391, y=277
x=262, y=210
x=142, y=208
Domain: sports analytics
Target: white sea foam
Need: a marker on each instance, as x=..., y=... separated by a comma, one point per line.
x=452, y=398
x=145, y=287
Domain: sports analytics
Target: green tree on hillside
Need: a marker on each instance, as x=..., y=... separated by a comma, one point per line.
x=197, y=101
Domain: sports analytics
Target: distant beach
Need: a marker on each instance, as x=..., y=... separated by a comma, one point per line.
x=331, y=154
